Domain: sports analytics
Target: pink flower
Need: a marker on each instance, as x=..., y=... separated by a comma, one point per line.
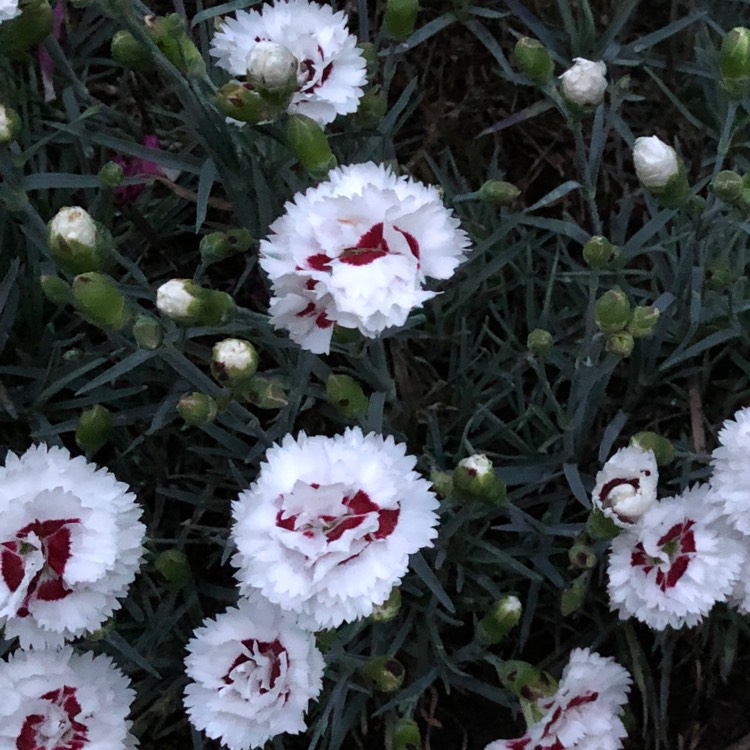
x=135, y=166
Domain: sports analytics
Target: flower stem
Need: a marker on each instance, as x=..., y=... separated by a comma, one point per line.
x=589, y=189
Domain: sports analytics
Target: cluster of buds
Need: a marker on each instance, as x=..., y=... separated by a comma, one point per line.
x=189, y=304
x=622, y=323
x=217, y=246
x=599, y=252
x=661, y=171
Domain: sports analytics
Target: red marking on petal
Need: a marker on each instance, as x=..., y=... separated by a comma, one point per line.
x=315, y=485
x=11, y=566
x=582, y=700
x=309, y=310
x=676, y=571
x=360, y=503
x=552, y=721
x=319, y=262
x=346, y=523
x=26, y=740
x=58, y=549
x=323, y=321
x=411, y=240
x=51, y=591
x=270, y=650
x=674, y=533
x=518, y=744
x=362, y=258
x=285, y=523
x=388, y=520
x=310, y=284
x=687, y=543
x=638, y=557
x=609, y=486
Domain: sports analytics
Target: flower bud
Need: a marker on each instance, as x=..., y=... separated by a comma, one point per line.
x=94, y=428
x=384, y=673
x=499, y=192
x=98, y=299
x=601, y=528
x=20, y=33
x=533, y=60
x=130, y=53
x=728, y=186
x=475, y=476
x=598, y=252
x=372, y=108
x=525, y=680
x=612, y=311
x=240, y=103
x=662, y=448
x=147, y=332
x=585, y=83
x=573, y=596
x=189, y=304
x=346, y=395
x=386, y=611
x=173, y=566
x=111, y=174
x=308, y=142
x=267, y=393
x=234, y=361
x=661, y=171
x=56, y=290
x=581, y=556
x=197, y=409
x=734, y=62
x=621, y=344
x=626, y=486
x=10, y=125
x=503, y=616
x=78, y=244
x=272, y=70
x=400, y=18
x=442, y=483
x=644, y=319
x=405, y=735
x=720, y=276
x=539, y=342
x=171, y=37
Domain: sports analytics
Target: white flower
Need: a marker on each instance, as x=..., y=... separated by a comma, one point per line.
x=175, y=299
x=235, y=357
x=331, y=70
x=253, y=671
x=675, y=563
x=584, y=712
x=626, y=486
x=271, y=66
x=58, y=700
x=70, y=545
x=73, y=224
x=327, y=528
x=9, y=9
x=585, y=83
x=8, y=124
x=655, y=162
x=356, y=250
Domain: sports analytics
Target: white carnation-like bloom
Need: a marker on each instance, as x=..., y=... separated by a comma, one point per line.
x=584, y=713
x=9, y=9
x=675, y=563
x=585, y=82
x=70, y=545
x=730, y=481
x=655, y=162
x=235, y=354
x=331, y=68
x=356, y=250
x=327, y=528
x=174, y=299
x=253, y=671
x=626, y=486
x=74, y=224
x=58, y=700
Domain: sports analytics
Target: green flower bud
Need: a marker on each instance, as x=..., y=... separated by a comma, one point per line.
x=171, y=37
x=240, y=240
x=111, y=174
x=308, y=142
x=346, y=395
x=218, y=308
x=386, y=611
x=173, y=565
x=10, y=125
x=728, y=186
x=612, y=312
x=539, y=342
x=499, y=192
x=56, y=290
x=574, y=595
x=94, y=428
x=372, y=108
x=405, y=736
x=442, y=483
x=662, y=448
x=644, y=320
x=598, y=252
x=533, y=60
x=601, y=528
x=197, y=409
x=214, y=247
x=720, y=277
x=189, y=304
x=234, y=361
x=147, y=332
x=734, y=62
x=525, y=680
x=240, y=103
x=98, y=299
x=130, y=53
x=370, y=53
x=267, y=393
x=78, y=243
x=621, y=344
x=475, y=476
x=400, y=18
x=384, y=673
x=18, y=35
x=581, y=556
x=503, y=616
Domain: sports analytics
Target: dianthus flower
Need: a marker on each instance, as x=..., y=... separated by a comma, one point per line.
x=584, y=712
x=327, y=528
x=330, y=66
x=356, y=250
x=675, y=563
x=9, y=9
x=58, y=700
x=253, y=671
x=70, y=545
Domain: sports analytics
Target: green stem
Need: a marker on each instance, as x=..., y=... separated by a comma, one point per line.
x=589, y=188
x=726, y=137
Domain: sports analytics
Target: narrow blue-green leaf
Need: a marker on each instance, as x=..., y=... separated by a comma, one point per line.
x=488, y=40
x=423, y=570
x=555, y=195
x=714, y=339
x=389, y=121
x=205, y=184
x=648, y=41
x=136, y=359
x=423, y=33
x=220, y=10
x=117, y=642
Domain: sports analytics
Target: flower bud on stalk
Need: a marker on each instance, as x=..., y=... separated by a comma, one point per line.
x=217, y=246
x=78, y=243
x=661, y=171
x=533, y=60
x=728, y=186
x=346, y=395
x=173, y=566
x=475, y=476
x=644, y=319
x=581, y=556
x=734, y=62
x=503, y=616
x=189, y=304
x=97, y=298
x=20, y=33
x=525, y=680
x=386, y=611
x=400, y=18
x=499, y=192
x=272, y=71
x=612, y=311
x=171, y=37
x=573, y=596
x=584, y=84
x=147, y=332
x=197, y=409
x=621, y=344
x=372, y=108
x=662, y=448
x=94, y=428
x=539, y=342
x=266, y=393
x=56, y=290
x=384, y=673
x=599, y=252
x=405, y=736
x=307, y=140
x=240, y=103
x=442, y=483
x=234, y=361
x=130, y=53
x=111, y=174
x=10, y=125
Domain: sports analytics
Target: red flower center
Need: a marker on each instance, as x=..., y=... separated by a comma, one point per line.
x=47, y=584
x=268, y=650
x=679, y=545
x=58, y=728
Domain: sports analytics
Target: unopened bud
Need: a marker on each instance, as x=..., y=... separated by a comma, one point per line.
x=147, y=332
x=644, y=320
x=171, y=37
x=267, y=393
x=189, y=304
x=728, y=186
x=346, y=395
x=539, y=342
x=400, y=18
x=10, y=124
x=598, y=252
x=734, y=62
x=573, y=596
x=601, y=528
x=111, y=174
x=661, y=171
x=533, y=60
x=234, y=361
x=384, y=673
x=96, y=297
x=56, y=290
x=621, y=344
x=720, y=276
x=386, y=611
x=240, y=103
x=503, y=616
x=78, y=243
x=272, y=70
x=308, y=142
x=94, y=428
x=130, y=53
x=612, y=311
x=19, y=33
x=584, y=84
x=475, y=476
x=173, y=566
x=499, y=192
x=525, y=680
x=581, y=556
x=661, y=447
x=405, y=736
x=197, y=409
x=442, y=483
